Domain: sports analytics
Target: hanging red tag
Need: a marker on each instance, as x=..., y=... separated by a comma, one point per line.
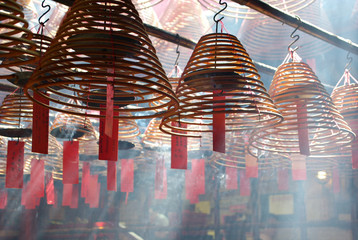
x=109, y=105
x=160, y=189
x=28, y=199
x=283, y=179
x=219, y=124
x=298, y=167
x=231, y=178
x=198, y=175
x=353, y=123
x=74, y=196
x=108, y=146
x=3, y=198
x=190, y=192
x=94, y=191
x=40, y=123
x=245, y=185
x=252, y=168
x=14, y=164
x=335, y=181
x=50, y=189
x=179, y=150
x=37, y=177
x=67, y=194
x=70, y=162
x=303, y=138
x=127, y=175
x=111, y=176
x=85, y=179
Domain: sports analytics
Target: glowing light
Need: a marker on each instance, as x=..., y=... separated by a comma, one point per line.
x=321, y=175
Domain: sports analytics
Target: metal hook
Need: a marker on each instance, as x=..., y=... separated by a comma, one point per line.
x=350, y=60
x=296, y=37
x=48, y=9
x=177, y=51
x=218, y=20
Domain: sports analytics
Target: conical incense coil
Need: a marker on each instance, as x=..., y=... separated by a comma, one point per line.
x=153, y=138
x=267, y=38
x=346, y=100
x=15, y=116
x=15, y=38
x=235, y=10
x=69, y=126
x=99, y=45
x=22, y=73
x=305, y=106
x=221, y=78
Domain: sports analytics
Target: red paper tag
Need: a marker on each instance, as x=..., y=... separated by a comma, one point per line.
x=70, y=162
x=28, y=199
x=252, y=169
x=335, y=181
x=37, y=177
x=85, y=179
x=3, y=198
x=354, y=146
x=298, y=167
x=108, y=146
x=245, y=186
x=198, y=171
x=161, y=186
x=50, y=189
x=74, y=196
x=93, y=191
x=127, y=175
x=14, y=164
x=190, y=192
x=179, y=150
x=219, y=125
x=283, y=179
x=109, y=105
x=303, y=138
x=231, y=178
x=67, y=194
x=40, y=123
x=111, y=176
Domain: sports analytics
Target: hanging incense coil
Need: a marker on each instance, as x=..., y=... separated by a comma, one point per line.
x=15, y=116
x=221, y=78
x=267, y=38
x=306, y=108
x=187, y=19
x=69, y=126
x=108, y=46
x=235, y=10
x=22, y=73
x=15, y=38
x=346, y=100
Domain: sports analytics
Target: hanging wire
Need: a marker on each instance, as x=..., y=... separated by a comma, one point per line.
x=218, y=20
x=177, y=51
x=349, y=61
x=294, y=37
x=48, y=10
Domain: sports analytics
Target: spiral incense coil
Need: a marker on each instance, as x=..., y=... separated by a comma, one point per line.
x=221, y=78
x=88, y=150
x=22, y=73
x=235, y=10
x=346, y=100
x=15, y=116
x=15, y=38
x=153, y=138
x=305, y=106
x=267, y=38
x=101, y=44
x=174, y=83
x=69, y=126
x=187, y=19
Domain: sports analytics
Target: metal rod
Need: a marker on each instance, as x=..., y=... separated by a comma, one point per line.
x=184, y=42
x=304, y=26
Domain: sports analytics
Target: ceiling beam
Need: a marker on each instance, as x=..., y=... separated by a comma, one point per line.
x=303, y=25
